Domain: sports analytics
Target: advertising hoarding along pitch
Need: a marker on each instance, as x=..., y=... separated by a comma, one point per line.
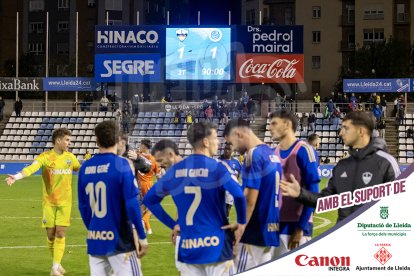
x=129, y=39
x=127, y=68
x=377, y=85
x=269, y=68
x=21, y=84
x=270, y=39
x=70, y=84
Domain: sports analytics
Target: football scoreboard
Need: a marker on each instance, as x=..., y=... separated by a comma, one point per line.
x=198, y=54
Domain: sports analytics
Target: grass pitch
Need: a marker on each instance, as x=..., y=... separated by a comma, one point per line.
x=23, y=249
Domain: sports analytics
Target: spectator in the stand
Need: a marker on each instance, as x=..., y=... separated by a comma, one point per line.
x=205, y=105
x=209, y=113
x=224, y=114
x=285, y=102
x=189, y=118
x=345, y=104
x=127, y=107
x=311, y=121
x=103, y=104
x=384, y=106
x=305, y=122
x=114, y=103
x=118, y=117
x=353, y=98
x=169, y=98
x=316, y=103
x=278, y=101
x=402, y=100
x=333, y=97
x=377, y=111
x=369, y=105
x=401, y=115
x=240, y=107
x=215, y=106
x=74, y=105
x=336, y=115
x=88, y=101
x=2, y=104
x=245, y=98
x=135, y=105
x=164, y=100
x=18, y=106
x=396, y=106
x=177, y=116
x=410, y=132
x=251, y=109
x=125, y=121
x=381, y=128
x=331, y=107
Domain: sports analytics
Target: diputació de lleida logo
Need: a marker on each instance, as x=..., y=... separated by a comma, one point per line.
x=384, y=212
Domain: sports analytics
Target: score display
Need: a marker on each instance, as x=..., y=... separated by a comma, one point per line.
x=198, y=54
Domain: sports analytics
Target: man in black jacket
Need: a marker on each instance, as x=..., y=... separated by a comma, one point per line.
x=368, y=164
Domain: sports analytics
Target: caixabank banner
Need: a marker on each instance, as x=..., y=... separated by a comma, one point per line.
x=377, y=239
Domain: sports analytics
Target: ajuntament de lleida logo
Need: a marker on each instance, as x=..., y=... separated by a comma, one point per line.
x=384, y=212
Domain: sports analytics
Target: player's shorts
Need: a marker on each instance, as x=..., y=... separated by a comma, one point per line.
x=56, y=216
x=220, y=269
x=178, y=264
x=124, y=264
x=284, y=242
x=229, y=198
x=248, y=256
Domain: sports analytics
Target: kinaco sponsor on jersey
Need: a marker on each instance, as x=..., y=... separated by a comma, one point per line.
x=200, y=242
x=333, y=263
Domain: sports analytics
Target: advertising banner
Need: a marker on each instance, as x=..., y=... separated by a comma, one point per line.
x=376, y=85
x=127, y=68
x=270, y=39
x=21, y=84
x=267, y=68
x=70, y=84
x=129, y=39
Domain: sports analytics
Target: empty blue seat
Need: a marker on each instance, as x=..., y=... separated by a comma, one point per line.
x=325, y=128
x=49, y=126
x=40, y=132
x=158, y=127
x=48, y=132
x=38, y=138
x=32, y=151
x=142, y=133
x=151, y=126
x=172, y=126
x=157, y=133
x=154, y=114
x=52, y=120
x=165, y=127
x=169, y=114
x=79, y=120
x=164, y=133
x=177, y=133
x=65, y=120
x=141, y=114
x=161, y=114
x=318, y=127
x=35, y=144
x=45, y=120
x=59, y=120
x=147, y=114
x=167, y=120
x=140, y=120
x=146, y=121
x=43, y=126
x=144, y=127
x=135, y=133
x=160, y=120
x=42, y=144
x=39, y=150
x=150, y=133
x=72, y=120
x=45, y=138
x=170, y=133
x=153, y=121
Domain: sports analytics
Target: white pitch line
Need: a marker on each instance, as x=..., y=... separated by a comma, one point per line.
x=71, y=245
x=325, y=222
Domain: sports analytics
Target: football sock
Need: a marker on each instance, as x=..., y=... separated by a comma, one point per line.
x=146, y=218
x=50, y=244
x=58, y=251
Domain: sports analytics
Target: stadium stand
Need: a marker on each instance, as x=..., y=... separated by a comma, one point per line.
x=29, y=135
x=405, y=140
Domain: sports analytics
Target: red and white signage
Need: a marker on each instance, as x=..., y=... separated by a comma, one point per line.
x=265, y=68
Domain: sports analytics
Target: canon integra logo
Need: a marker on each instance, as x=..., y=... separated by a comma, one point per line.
x=116, y=37
x=304, y=260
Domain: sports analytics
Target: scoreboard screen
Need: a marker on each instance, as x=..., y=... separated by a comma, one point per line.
x=198, y=54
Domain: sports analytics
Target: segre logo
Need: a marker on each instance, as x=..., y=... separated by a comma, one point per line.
x=125, y=37
x=129, y=67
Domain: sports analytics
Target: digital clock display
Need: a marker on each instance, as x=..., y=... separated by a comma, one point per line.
x=198, y=54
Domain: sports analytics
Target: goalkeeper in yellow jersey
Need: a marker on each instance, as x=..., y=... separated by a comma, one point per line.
x=57, y=166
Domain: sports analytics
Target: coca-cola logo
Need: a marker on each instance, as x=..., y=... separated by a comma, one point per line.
x=280, y=68
x=270, y=68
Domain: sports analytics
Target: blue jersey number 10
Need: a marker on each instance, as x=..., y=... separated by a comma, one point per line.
x=98, y=203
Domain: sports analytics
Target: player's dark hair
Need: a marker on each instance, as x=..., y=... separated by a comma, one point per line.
x=285, y=114
x=198, y=131
x=362, y=118
x=60, y=133
x=313, y=137
x=107, y=134
x=163, y=145
x=146, y=143
x=239, y=122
